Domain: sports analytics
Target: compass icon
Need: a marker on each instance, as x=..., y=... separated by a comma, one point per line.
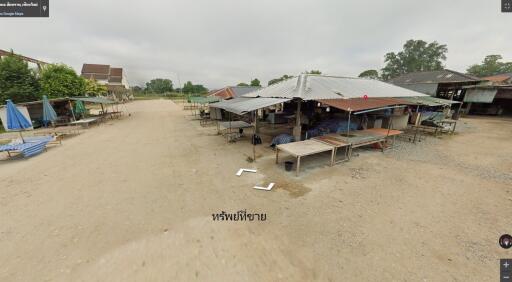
x=506, y=6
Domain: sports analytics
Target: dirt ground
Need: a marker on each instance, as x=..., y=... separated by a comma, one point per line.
x=132, y=200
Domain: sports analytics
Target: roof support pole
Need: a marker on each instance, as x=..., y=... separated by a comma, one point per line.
x=297, y=129
x=71, y=108
x=457, y=114
x=348, y=124
x=256, y=131
x=256, y=127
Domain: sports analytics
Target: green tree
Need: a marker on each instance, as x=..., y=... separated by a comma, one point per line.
x=137, y=89
x=242, y=84
x=190, y=88
x=93, y=88
x=58, y=80
x=255, y=82
x=373, y=74
x=491, y=65
x=159, y=85
x=17, y=81
x=314, y=72
x=417, y=55
x=276, y=80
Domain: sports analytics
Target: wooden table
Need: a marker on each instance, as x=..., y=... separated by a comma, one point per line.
x=359, y=138
x=331, y=139
x=393, y=133
x=304, y=148
x=85, y=122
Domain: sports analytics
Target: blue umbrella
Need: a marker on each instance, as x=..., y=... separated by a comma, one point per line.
x=15, y=119
x=49, y=113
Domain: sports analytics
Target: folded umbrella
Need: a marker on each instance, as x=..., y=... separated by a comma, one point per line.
x=15, y=119
x=49, y=114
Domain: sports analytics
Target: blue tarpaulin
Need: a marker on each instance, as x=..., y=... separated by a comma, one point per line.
x=49, y=114
x=15, y=119
x=331, y=126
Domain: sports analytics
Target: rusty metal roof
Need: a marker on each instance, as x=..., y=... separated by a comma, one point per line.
x=359, y=104
x=504, y=77
x=233, y=91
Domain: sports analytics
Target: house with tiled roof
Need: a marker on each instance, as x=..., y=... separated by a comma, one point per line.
x=112, y=77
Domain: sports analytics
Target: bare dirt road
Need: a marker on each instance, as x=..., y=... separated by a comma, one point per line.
x=132, y=200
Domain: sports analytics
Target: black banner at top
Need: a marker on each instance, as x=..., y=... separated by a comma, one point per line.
x=24, y=8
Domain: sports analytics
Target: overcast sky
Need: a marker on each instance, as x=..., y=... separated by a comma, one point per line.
x=224, y=42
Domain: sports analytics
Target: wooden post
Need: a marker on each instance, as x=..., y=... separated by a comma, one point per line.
x=72, y=112
x=253, y=151
x=256, y=128
x=348, y=124
x=298, y=166
x=458, y=111
x=297, y=129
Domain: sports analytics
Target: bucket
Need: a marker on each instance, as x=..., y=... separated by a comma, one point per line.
x=288, y=166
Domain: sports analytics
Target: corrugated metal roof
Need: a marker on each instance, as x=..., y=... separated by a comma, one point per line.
x=98, y=100
x=239, y=91
x=425, y=88
x=203, y=100
x=241, y=106
x=480, y=95
x=315, y=87
x=429, y=101
x=439, y=76
x=223, y=103
x=359, y=104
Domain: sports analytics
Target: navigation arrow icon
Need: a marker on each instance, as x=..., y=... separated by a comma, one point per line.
x=265, y=188
x=240, y=171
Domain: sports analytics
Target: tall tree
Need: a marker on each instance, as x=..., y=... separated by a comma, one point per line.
x=373, y=74
x=17, y=81
x=93, y=88
x=59, y=80
x=137, y=89
x=159, y=85
x=491, y=65
x=255, y=82
x=194, y=88
x=279, y=79
x=314, y=72
x=417, y=55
